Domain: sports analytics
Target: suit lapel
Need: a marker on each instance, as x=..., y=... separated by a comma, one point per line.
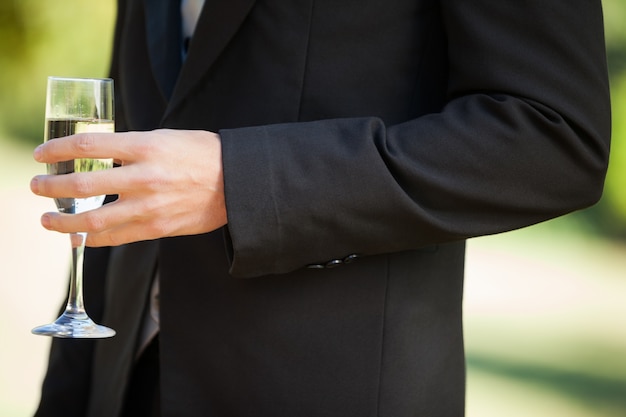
x=218, y=23
x=129, y=276
x=163, y=32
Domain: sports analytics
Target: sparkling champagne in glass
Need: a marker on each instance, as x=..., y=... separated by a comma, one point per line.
x=77, y=105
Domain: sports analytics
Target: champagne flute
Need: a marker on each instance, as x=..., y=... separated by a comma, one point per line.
x=77, y=105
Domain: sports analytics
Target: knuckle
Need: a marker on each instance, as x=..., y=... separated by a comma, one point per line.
x=101, y=239
x=145, y=182
x=84, y=142
x=154, y=180
x=82, y=185
x=156, y=229
x=141, y=147
x=94, y=222
x=113, y=239
x=153, y=209
x=146, y=147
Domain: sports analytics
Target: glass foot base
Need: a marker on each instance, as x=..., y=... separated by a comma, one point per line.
x=81, y=327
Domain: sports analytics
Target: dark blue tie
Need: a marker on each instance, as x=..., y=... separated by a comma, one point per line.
x=163, y=30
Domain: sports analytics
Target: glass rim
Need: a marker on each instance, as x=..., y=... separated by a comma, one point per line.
x=56, y=78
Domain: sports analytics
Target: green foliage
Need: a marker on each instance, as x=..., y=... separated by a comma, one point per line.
x=616, y=179
x=14, y=33
x=609, y=216
x=38, y=39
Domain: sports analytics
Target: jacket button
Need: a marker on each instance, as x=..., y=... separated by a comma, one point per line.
x=334, y=263
x=350, y=258
x=315, y=266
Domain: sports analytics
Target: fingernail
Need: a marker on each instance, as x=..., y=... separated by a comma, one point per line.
x=34, y=185
x=45, y=221
x=37, y=153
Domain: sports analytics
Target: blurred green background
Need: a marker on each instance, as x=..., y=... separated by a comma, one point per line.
x=545, y=306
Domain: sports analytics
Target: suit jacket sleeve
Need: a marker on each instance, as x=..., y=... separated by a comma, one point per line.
x=522, y=138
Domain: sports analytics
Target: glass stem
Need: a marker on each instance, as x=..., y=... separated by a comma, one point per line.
x=75, y=306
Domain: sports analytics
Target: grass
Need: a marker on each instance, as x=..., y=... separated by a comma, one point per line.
x=545, y=320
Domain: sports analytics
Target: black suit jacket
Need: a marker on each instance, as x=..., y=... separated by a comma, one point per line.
x=388, y=130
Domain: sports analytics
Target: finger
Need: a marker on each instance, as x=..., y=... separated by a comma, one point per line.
x=93, y=221
x=71, y=223
x=125, y=221
x=100, y=220
x=120, y=146
x=105, y=226
x=140, y=229
x=151, y=227
x=123, y=234
x=84, y=184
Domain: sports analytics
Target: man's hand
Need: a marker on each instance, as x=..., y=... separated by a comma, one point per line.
x=170, y=184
